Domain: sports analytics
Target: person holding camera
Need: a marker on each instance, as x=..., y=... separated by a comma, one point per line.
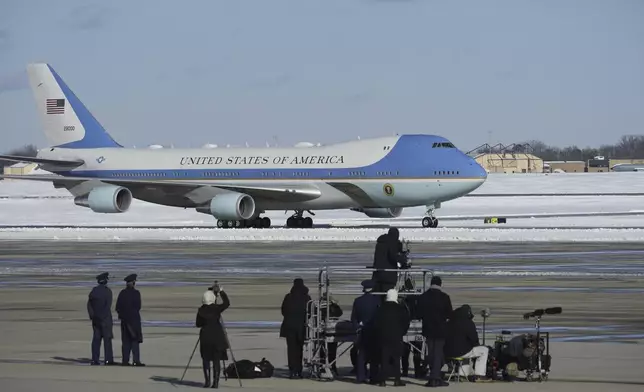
x=387, y=255
x=212, y=337
x=463, y=340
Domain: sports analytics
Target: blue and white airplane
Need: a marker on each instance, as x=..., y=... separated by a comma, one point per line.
x=378, y=177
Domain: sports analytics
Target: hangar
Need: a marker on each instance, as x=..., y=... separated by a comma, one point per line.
x=514, y=158
x=20, y=168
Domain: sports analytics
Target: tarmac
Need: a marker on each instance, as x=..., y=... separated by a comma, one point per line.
x=45, y=333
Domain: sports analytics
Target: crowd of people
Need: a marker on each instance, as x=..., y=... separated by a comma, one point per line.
x=379, y=351
x=381, y=321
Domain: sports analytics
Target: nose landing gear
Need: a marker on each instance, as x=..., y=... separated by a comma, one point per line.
x=430, y=220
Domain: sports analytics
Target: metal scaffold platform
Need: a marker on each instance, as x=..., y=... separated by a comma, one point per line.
x=322, y=329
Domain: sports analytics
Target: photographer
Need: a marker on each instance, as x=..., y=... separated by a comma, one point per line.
x=388, y=254
x=213, y=342
x=463, y=340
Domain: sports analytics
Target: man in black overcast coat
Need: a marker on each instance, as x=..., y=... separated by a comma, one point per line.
x=99, y=310
x=128, y=306
x=293, y=326
x=435, y=308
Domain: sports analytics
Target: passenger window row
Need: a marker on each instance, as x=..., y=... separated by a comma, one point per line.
x=446, y=173
x=263, y=174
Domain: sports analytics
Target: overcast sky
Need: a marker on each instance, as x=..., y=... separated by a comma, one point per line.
x=231, y=72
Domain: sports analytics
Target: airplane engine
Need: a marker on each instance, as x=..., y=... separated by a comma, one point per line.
x=393, y=212
x=106, y=199
x=230, y=206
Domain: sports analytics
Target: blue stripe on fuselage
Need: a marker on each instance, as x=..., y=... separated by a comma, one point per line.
x=95, y=135
x=411, y=157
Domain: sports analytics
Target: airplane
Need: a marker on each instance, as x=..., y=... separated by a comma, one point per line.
x=630, y=167
x=378, y=177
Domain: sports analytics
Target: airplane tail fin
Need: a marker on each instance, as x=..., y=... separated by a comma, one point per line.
x=67, y=122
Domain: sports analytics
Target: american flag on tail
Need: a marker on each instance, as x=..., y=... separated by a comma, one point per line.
x=55, y=106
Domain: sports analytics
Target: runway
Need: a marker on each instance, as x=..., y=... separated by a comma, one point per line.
x=46, y=334
x=510, y=278
x=495, y=227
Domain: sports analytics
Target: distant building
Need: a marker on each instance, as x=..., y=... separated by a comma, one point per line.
x=564, y=166
x=509, y=162
x=598, y=164
x=20, y=168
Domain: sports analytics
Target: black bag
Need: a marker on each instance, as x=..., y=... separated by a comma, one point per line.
x=248, y=369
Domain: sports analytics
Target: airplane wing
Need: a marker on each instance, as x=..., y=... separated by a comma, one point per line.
x=281, y=192
x=55, y=162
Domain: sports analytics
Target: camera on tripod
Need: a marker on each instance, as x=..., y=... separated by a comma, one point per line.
x=539, y=346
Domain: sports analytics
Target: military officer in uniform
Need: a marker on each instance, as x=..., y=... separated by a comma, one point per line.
x=99, y=309
x=128, y=306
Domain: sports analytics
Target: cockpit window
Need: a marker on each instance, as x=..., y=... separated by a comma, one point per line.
x=443, y=145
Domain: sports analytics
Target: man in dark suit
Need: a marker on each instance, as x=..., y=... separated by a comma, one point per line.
x=99, y=310
x=128, y=306
x=362, y=316
x=434, y=309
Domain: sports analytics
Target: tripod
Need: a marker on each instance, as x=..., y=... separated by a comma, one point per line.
x=230, y=347
x=540, y=346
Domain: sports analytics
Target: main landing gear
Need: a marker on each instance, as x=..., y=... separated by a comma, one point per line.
x=430, y=220
x=298, y=221
x=257, y=223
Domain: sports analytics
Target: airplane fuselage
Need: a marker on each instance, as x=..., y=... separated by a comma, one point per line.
x=398, y=171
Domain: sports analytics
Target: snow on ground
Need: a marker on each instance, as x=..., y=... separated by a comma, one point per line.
x=17, y=210
x=326, y=234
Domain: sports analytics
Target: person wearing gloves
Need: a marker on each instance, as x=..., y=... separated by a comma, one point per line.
x=213, y=342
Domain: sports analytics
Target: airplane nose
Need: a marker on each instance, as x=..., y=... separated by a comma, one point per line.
x=475, y=170
x=479, y=170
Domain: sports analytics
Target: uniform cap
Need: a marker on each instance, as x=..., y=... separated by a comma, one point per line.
x=102, y=276
x=367, y=284
x=130, y=278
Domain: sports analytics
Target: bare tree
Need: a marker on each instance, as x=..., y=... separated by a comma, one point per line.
x=29, y=150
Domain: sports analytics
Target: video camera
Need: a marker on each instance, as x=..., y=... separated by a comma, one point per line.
x=215, y=288
x=404, y=260
x=541, y=312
